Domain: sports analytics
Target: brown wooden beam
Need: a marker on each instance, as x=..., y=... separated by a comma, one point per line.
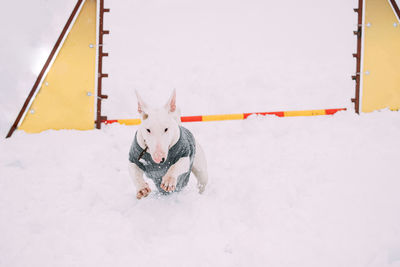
x=396, y=8
x=101, y=75
x=357, y=77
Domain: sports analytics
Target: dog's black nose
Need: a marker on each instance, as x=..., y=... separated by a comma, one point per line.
x=162, y=161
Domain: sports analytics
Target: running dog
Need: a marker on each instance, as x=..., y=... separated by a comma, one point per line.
x=165, y=151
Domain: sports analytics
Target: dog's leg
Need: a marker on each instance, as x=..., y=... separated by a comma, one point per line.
x=169, y=180
x=142, y=188
x=200, y=168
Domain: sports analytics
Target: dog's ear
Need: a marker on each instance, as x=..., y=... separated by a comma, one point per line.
x=142, y=107
x=171, y=104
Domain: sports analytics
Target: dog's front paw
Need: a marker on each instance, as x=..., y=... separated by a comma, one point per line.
x=143, y=192
x=201, y=188
x=168, y=183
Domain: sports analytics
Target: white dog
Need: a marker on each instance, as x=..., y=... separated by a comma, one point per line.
x=165, y=151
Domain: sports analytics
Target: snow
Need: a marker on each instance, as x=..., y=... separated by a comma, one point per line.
x=283, y=192
x=301, y=191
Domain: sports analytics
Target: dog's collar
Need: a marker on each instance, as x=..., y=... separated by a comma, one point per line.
x=144, y=150
x=142, y=153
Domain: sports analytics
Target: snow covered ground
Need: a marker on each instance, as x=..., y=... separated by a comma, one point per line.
x=320, y=191
x=306, y=191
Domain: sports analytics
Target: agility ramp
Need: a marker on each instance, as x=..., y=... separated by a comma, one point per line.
x=64, y=94
x=378, y=56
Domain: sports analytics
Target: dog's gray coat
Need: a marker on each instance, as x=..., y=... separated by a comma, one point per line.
x=185, y=147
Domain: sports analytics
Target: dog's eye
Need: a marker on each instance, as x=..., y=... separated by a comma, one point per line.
x=148, y=130
x=166, y=130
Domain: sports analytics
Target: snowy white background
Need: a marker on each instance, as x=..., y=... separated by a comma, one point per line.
x=320, y=191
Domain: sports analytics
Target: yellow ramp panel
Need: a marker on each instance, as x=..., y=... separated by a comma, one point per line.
x=66, y=97
x=381, y=67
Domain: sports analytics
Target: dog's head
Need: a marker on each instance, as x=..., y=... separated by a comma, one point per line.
x=159, y=127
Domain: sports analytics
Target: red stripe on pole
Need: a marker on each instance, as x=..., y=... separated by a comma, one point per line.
x=333, y=111
x=191, y=118
x=110, y=121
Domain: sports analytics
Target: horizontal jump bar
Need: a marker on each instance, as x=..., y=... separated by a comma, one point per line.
x=240, y=116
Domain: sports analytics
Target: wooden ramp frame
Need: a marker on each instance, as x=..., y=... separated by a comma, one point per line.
x=67, y=94
x=378, y=56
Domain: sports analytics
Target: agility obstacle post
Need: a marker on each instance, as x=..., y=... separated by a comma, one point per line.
x=101, y=75
x=239, y=116
x=378, y=56
x=66, y=98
